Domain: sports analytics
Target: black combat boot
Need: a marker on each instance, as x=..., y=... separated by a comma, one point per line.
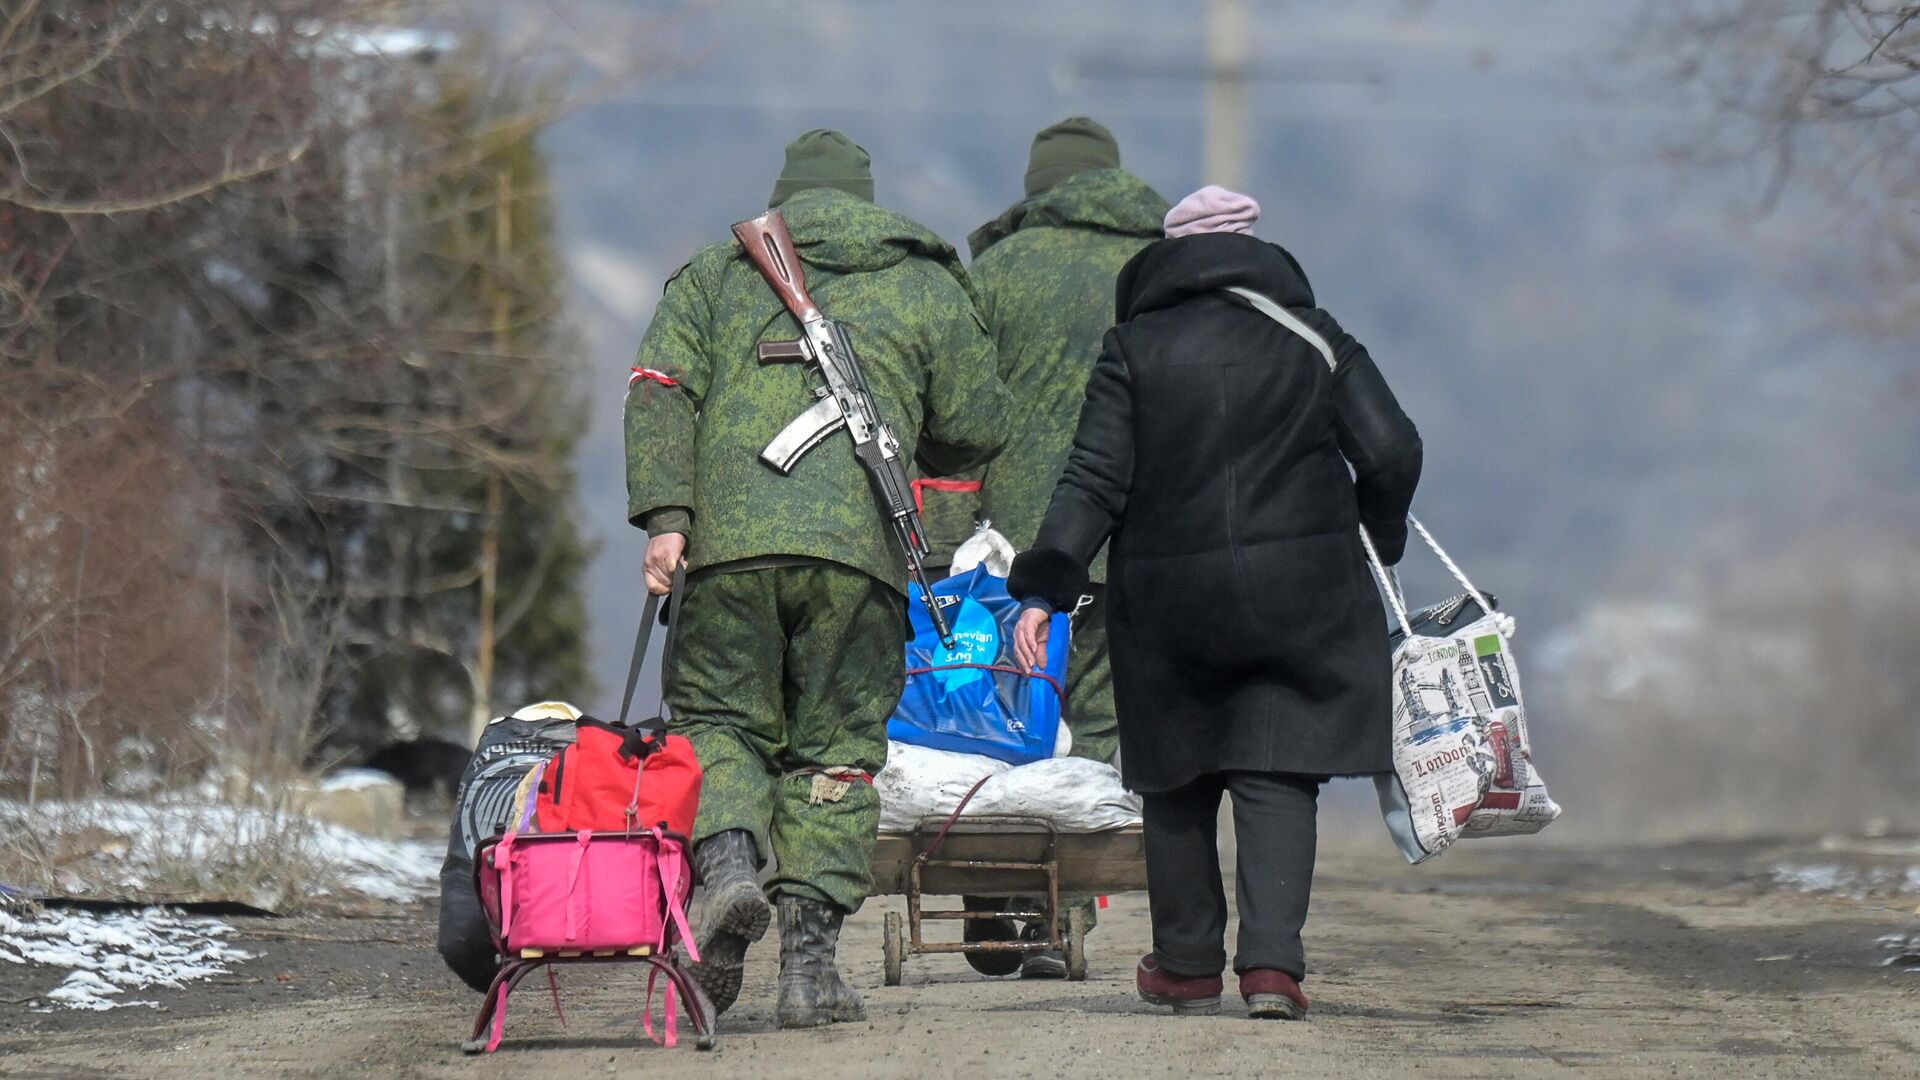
x=735, y=916
x=1044, y=964
x=812, y=991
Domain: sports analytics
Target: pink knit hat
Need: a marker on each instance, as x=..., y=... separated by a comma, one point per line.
x=1213, y=209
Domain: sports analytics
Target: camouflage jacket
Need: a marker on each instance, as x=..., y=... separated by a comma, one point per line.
x=700, y=406
x=1045, y=271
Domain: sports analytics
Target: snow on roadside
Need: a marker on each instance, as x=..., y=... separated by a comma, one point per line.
x=397, y=870
x=1853, y=881
x=185, y=847
x=109, y=954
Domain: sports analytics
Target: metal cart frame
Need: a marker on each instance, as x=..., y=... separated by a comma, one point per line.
x=999, y=855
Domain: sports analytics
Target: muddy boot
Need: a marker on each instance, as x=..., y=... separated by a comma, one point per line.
x=735, y=916
x=812, y=991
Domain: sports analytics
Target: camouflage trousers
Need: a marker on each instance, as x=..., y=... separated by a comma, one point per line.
x=780, y=675
x=1090, y=712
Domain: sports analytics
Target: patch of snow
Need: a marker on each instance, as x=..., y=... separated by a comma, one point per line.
x=206, y=846
x=356, y=780
x=1903, y=951
x=108, y=954
x=401, y=43
x=1822, y=877
x=397, y=870
x=1850, y=881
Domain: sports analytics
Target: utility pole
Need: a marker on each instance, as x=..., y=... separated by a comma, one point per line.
x=1225, y=156
x=1230, y=70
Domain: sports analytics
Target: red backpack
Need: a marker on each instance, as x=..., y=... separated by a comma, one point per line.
x=614, y=779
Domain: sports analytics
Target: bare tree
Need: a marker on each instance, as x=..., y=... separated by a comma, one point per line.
x=1817, y=95
x=281, y=377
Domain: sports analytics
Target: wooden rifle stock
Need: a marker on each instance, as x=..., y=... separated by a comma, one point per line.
x=770, y=248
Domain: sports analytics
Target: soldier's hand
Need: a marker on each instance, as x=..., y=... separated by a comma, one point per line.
x=664, y=555
x=1030, y=636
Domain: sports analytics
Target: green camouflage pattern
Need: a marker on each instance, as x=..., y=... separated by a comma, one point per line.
x=950, y=517
x=1090, y=713
x=778, y=673
x=909, y=308
x=1045, y=271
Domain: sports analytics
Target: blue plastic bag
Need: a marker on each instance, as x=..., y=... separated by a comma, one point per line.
x=976, y=699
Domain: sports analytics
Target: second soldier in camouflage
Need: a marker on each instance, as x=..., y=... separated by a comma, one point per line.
x=1045, y=271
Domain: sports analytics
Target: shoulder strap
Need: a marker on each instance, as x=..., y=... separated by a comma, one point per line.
x=1389, y=582
x=649, y=614
x=1289, y=320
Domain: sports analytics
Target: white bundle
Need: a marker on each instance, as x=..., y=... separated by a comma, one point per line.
x=986, y=545
x=1075, y=794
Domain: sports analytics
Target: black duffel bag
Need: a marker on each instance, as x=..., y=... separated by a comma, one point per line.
x=483, y=807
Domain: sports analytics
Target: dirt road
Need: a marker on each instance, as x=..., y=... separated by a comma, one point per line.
x=1495, y=961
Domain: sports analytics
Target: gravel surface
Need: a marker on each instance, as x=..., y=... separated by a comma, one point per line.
x=1497, y=960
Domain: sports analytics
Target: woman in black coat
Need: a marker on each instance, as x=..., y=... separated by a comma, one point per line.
x=1249, y=640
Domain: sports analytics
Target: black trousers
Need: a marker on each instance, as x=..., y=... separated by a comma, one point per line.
x=1274, y=821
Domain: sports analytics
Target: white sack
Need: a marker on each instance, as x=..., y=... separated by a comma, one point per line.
x=986, y=545
x=1075, y=794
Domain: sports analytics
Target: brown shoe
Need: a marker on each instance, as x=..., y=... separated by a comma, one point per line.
x=1272, y=995
x=1188, y=995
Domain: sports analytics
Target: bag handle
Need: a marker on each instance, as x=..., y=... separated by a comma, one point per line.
x=649, y=613
x=1502, y=618
x=1389, y=581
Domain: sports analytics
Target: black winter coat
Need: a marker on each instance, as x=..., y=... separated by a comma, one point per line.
x=1214, y=444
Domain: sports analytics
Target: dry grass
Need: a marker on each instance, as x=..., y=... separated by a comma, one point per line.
x=204, y=852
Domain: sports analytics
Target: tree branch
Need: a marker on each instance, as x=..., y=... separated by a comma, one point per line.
x=107, y=48
x=265, y=164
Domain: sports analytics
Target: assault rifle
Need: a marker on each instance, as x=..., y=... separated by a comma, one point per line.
x=845, y=400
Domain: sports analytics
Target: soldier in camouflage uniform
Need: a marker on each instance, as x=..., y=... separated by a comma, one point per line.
x=790, y=654
x=1045, y=271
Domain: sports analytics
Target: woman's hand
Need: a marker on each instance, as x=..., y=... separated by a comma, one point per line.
x=1030, y=638
x=664, y=555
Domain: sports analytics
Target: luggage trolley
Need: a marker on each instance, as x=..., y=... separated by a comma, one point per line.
x=1000, y=855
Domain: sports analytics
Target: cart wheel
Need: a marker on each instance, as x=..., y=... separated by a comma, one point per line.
x=989, y=961
x=894, y=946
x=1076, y=945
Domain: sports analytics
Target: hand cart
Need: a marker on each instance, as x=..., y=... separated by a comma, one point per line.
x=1000, y=855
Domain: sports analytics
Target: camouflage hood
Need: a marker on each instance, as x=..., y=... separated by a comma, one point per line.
x=843, y=234
x=1106, y=200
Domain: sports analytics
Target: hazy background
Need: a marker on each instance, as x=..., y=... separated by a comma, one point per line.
x=1661, y=421
x=316, y=317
